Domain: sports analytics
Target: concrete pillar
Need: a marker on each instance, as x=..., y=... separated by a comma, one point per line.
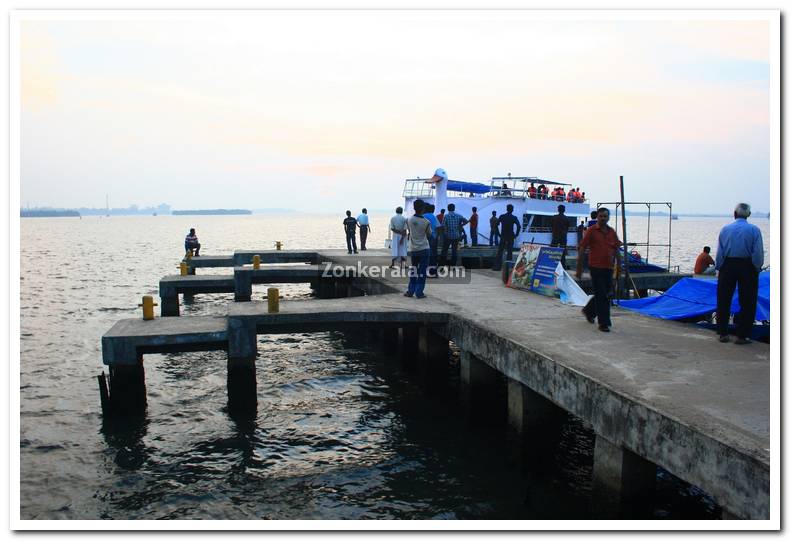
x=623, y=482
x=432, y=356
x=168, y=302
x=388, y=337
x=534, y=424
x=243, y=286
x=128, y=389
x=477, y=386
x=408, y=344
x=242, y=350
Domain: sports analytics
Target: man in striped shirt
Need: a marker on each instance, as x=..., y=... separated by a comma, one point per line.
x=452, y=223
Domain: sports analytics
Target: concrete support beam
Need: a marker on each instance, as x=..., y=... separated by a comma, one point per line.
x=242, y=350
x=168, y=302
x=128, y=389
x=534, y=422
x=408, y=344
x=432, y=356
x=623, y=482
x=243, y=286
x=478, y=385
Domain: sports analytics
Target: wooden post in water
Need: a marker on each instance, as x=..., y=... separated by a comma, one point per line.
x=625, y=275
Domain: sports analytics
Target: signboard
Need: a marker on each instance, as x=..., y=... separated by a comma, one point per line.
x=534, y=269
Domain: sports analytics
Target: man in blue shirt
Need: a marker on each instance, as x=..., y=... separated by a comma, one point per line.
x=432, y=260
x=740, y=256
x=362, y=222
x=452, y=223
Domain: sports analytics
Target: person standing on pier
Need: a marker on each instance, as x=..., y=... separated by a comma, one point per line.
x=494, y=235
x=474, y=226
x=509, y=230
x=603, y=243
x=350, y=226
x=399, y=240
x=419, y=249
x=704, y=264
x=191, y=243
x=560, y=231
x=452, y=224
x=362, y=222
x=740, y=256
x=431, y=272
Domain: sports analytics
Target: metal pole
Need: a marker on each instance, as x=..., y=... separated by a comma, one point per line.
x=625, y=250
x=669, y=235
x=648, y=234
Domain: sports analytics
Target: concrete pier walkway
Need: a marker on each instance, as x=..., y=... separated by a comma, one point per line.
x=654, y=392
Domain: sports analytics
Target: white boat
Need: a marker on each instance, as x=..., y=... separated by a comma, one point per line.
x=534, y=213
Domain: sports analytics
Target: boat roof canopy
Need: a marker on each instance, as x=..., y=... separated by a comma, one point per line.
x=533, y=179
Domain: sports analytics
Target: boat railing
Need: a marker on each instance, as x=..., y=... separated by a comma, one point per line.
x=418, y=187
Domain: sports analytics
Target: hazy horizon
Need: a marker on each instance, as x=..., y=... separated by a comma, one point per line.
x=328, y=110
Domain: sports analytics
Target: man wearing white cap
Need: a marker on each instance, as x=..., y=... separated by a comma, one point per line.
x=440, y=180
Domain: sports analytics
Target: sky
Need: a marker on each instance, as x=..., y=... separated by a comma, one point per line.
x=329, y=110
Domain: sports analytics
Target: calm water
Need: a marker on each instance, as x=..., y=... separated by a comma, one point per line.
x=342, y=430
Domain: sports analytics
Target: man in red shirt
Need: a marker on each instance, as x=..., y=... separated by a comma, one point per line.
x=474, y=226
x=704, y=264
x=603, y=243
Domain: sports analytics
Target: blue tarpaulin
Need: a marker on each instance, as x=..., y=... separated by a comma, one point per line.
x=469, y=187
x=638, y=265
x=693, y=297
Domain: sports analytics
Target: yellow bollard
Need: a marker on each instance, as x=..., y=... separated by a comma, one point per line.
x=183, y=268
x=148, y=307
x=279, y=245
x=273, y=298
x=256, y=262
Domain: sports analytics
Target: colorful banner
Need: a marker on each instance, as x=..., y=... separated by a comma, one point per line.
x=534, y=269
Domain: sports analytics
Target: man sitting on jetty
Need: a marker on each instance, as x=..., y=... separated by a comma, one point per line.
x=350, y=226
x=704, y=264
x=191, y=243
x=603, y=243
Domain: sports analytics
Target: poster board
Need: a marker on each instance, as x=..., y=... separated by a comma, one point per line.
x=534, y=269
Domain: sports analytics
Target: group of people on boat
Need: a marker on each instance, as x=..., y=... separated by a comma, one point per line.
x=558, y=193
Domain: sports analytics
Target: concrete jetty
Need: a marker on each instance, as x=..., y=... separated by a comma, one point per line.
x=654, y=392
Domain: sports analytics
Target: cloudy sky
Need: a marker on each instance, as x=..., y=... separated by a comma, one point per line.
x=323, y=111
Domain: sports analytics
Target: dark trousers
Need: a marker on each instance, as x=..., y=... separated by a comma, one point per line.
x=192, y=246
x=363, y=236
x=351, y=242
x=454, y=246
x=561, y=243
x=432, y=258
x=600, y=306
x=417, y=272
x=737, y=271
x=474, y=235
x=494, y=237
x=506, y=245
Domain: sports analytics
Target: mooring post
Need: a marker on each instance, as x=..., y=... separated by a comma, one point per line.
x=623, y=482
x=478, y=385
x=534, y=423
x=242, y=351
x=128, y=388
